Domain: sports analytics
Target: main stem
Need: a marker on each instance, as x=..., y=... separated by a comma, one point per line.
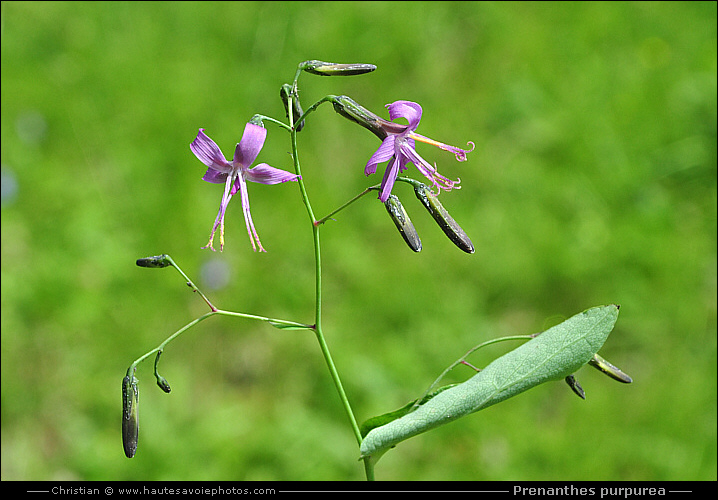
x=318, y=285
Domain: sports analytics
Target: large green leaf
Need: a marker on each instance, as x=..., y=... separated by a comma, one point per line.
x=553, y=355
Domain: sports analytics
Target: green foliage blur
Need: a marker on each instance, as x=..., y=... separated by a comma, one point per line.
x=593, y=182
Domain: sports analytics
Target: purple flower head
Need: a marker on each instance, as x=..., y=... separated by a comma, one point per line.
x=235, y=174
x=399, y=149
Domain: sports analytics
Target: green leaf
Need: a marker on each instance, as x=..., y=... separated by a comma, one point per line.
x=555, y=354
x=384, y=419
x=288, y=326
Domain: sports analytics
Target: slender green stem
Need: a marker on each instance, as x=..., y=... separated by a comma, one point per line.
x=328, y=216
x=318, y=271
x=165, y=261
x=369, y=468
x=279, y=323
x=408, y=180
x=169, y=339
x=264, y=118
x=190, y=283
x=313, y=107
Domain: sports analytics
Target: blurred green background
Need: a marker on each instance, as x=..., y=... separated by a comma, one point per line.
x=593, y=182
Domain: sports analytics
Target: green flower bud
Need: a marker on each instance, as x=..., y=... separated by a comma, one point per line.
x=156, y=261
x=163, y=384
x=442, y=217
x=333, y=69
x=575, y=386
x=604, y=366
x=161, y=381
x=402, y=222
x=380, y=127
x=130, y=417
x=297, y=111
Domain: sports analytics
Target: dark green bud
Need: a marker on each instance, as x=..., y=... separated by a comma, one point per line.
x=442, y=217
x=163, y=384
x=575, y=386
x=297, y=111
x=604, y=366
x=402, y=222
x=380, y=127
x=130, y=416
x=161, y=381
x=322, y=68
x=156, y=261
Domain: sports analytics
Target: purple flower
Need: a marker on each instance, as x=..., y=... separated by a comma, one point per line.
x=235, y=175
x=399, y=147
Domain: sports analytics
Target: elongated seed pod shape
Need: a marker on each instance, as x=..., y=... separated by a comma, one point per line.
x=297, y=111
x=130, y=417
x=403, y=222
x=553, y=355
x=443, y=218
x=156, y=261
x=351, y=110
x=323, y=68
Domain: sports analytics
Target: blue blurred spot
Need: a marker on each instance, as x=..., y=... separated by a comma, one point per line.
x=9, y=186
x=215, y=274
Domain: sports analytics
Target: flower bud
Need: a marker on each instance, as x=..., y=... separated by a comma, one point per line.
x=442, y=217
x=130, y=417
x=297, y=111
x=163, y=384
x=615, y=373
x=402, y=222
x=380, y=127
x=575, y=386
x=156, y=261
x=333, y=69
x=161, y=381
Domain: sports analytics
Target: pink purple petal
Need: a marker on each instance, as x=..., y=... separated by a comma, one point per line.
x=251, y=144
x=384, y=153
x=214, y=176
x=405, y=109
x=389, y=178
x=207, y=151
x=264, y=174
